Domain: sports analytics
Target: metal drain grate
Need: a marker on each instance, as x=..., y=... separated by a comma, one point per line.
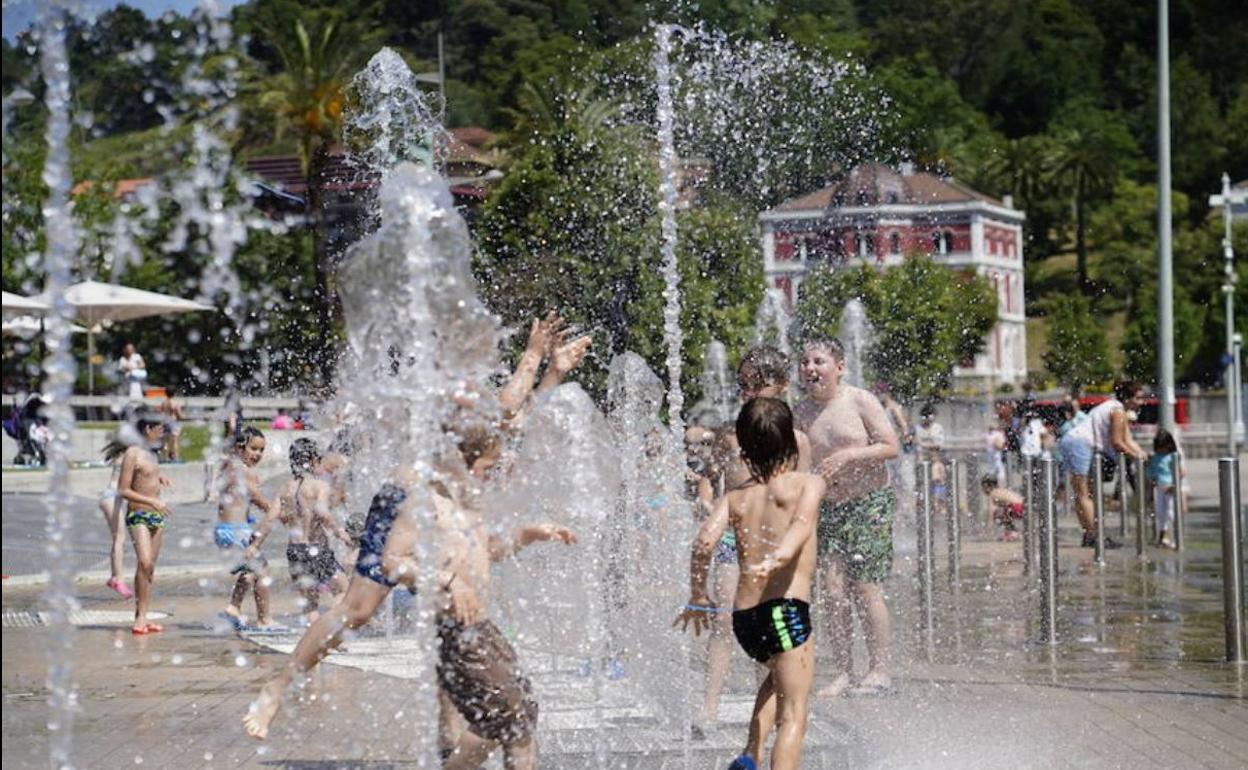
x=33, y=619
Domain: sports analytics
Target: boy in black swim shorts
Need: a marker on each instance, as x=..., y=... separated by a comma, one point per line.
x=773, y=518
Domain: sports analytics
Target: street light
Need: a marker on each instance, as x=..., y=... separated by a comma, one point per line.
x=1228, y=200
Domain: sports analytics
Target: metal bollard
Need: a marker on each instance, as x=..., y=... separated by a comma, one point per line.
x=1098, y=505
x=1140, y=502
x=1048, y=553
x=925, y=550
x=953, y=523
x=1121, y=483
x=1232, y=559
x=1029, y=515
x=1178, y=501
x=974, y=497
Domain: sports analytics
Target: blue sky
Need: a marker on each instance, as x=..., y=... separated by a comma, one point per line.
x=18, y=14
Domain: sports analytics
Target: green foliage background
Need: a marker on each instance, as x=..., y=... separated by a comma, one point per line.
x=1052, y=101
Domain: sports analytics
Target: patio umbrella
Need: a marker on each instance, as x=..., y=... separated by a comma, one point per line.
x=96, y=303
x=29, y=326
x=16, y=304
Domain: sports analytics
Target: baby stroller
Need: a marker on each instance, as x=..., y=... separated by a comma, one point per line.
x=29, y=428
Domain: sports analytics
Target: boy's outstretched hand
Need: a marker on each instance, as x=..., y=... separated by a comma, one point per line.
x=568, y=355
x=698, y=611
x=550, y=532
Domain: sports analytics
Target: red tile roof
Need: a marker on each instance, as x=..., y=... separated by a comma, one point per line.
x=874, y=184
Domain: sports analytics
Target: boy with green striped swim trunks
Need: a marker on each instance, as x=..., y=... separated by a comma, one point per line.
x=772, y=517
x=860, y=532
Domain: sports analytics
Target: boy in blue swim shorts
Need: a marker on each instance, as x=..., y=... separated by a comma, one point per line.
x=234, y=530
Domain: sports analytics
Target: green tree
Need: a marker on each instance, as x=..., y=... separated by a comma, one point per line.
x=926, y=319
x=1090, y=147
x=1078, y=351
x=318, y=52
x=575, y=224
x=1139, y=343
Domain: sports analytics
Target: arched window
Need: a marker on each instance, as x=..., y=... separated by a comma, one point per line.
x=946, y=242
x=894, y=244
x=870, y=244
x=938, y=244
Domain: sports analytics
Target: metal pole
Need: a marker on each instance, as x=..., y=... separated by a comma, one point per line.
x=953, y=525
x=1178, y=501
x=1139, y=505
x=1232, y=559
x=925, y=550
x=1029, y=515
x=1048, y=554
x=1098, y=505
x=1228, y=288
x=974, y=497
x=1122, y=496
x=1165, y=267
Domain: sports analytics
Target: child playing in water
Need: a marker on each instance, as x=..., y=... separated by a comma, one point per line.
x=763, y=371
x=139, y=484
x=240, y=489
x=111, y=503
x=1005, y=506
x=773, y=520
x=477, y=668
x=1160, y=471
x=304, y=506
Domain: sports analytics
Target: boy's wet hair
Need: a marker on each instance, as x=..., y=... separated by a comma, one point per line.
x=765, y=435
x=988, y=482
x=1125, y=389
x=475, y=434
x=928, y=410
x=767, y=363
x=143, y=418
x=244, y=435
x=1164, y=443
x=826, y=342
x=303, y=455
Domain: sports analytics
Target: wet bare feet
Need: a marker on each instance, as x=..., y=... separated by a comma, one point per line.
x=836, y=688
x=261, y=712
x=874, y=683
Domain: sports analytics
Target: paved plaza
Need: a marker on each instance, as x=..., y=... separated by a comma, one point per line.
x=1136, y=680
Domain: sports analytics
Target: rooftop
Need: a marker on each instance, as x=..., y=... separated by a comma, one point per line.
x=875, y=184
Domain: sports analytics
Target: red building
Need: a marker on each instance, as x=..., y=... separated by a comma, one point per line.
x=876, y=215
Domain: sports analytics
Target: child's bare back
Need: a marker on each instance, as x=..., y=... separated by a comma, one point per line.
x=763, y=517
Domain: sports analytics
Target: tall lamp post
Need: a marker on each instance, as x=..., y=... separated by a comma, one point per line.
x=1165, y=265
x=1234, y=405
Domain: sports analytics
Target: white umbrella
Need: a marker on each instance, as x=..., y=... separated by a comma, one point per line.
x=29, y=326
x=96, y=302
x=16, y=304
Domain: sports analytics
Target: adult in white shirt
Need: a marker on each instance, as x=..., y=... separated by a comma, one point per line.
x=133, y=372
x=1106, y=432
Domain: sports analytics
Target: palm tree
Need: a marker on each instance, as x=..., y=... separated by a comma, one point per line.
x=307, y=94
x=1085, y=165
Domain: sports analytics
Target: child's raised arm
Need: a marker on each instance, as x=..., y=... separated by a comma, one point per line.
x=699, y=609
x=522, y=537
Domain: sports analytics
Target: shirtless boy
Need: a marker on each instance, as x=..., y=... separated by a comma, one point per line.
x=763, y=372
x=139, y=484
x=1005, y=506
x=851, y=441
x=773, y=519
x=477, y=667
x=240, y=489
x=304, y=507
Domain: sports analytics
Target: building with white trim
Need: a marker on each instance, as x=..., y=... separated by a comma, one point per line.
x=877, y=215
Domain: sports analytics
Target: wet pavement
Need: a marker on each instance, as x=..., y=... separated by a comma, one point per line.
x=1136, y=680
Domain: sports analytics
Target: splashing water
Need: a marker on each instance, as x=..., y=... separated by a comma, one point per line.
x=673, y=334
x=719, y=398
x=395, y=118
x=60, y=371
x=856, y=337
x=772, y=322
